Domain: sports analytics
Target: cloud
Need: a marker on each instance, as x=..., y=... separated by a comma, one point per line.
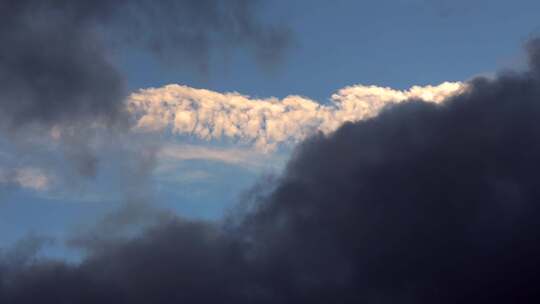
x=423, y=203
x=59, y=81
x=246, y=158
x=55, y=65
x=52, y=66
x=24, y=251
x=27, y=178
x=269, y=122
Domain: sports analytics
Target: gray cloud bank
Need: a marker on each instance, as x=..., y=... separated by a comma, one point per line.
x=54, y=60
x=442, y=208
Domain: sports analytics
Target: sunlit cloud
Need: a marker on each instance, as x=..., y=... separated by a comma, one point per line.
x=266, y=123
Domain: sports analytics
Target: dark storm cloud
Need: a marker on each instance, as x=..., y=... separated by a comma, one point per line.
x=55, y=66
x=423, y=204
x=52, y=66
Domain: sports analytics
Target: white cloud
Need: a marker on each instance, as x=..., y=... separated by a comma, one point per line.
x=246, y=158
x=27, y=177
x=268, y=122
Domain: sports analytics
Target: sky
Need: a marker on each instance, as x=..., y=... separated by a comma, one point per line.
x=183, y=115
x=343, y=43
x=396, y=44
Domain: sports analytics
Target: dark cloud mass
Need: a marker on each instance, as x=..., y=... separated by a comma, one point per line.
x=54, y=57
x=423, y=204
x=59, y=85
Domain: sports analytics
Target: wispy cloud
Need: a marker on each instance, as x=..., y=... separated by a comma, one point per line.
x=26, y=177
x=247, y=158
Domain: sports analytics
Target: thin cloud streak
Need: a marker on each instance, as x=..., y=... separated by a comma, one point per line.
x=26, y=177
x=246, y=158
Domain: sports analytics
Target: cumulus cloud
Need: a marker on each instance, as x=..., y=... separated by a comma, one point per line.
x=266, y=123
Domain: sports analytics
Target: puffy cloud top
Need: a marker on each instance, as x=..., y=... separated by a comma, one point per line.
x=266, y=122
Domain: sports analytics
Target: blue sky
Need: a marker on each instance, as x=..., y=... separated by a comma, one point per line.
x=396, y=43
x=336, y=44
